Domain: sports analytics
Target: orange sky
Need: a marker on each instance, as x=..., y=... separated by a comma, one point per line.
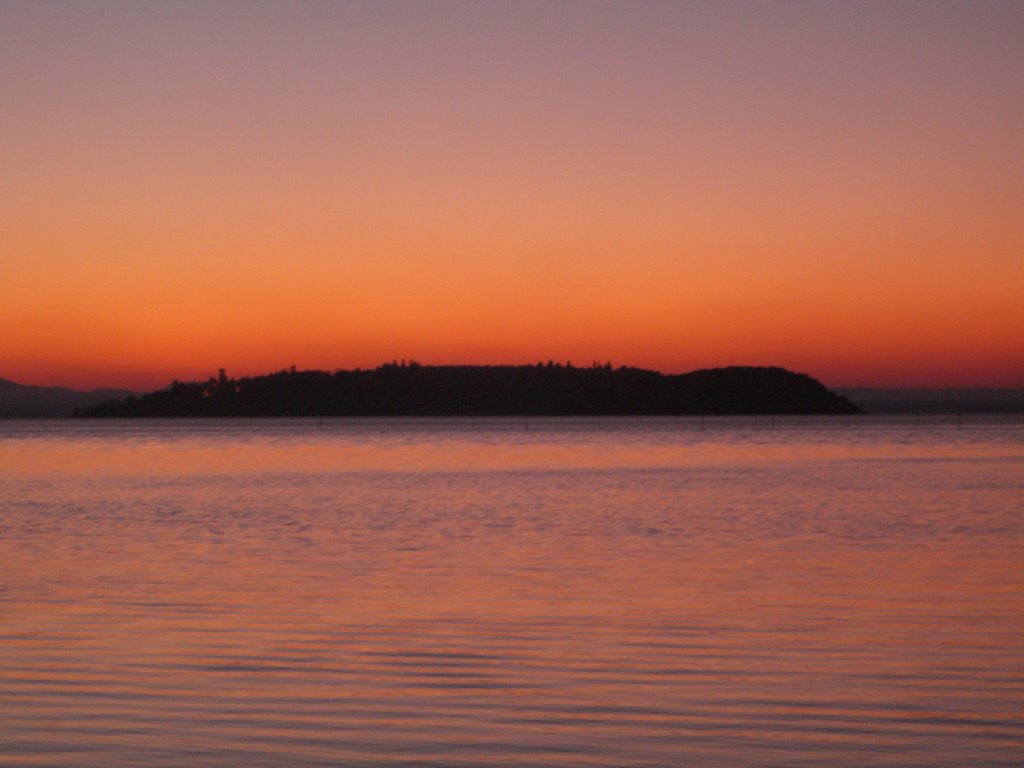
x=833, y=189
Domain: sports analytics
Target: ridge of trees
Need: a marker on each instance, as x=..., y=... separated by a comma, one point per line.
x=406, y=388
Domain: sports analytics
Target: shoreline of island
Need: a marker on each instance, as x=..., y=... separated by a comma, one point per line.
x=403, y=388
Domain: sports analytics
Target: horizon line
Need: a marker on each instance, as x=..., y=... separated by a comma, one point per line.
x=412, y=362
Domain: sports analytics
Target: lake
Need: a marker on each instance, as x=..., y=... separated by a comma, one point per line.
x=546, y=592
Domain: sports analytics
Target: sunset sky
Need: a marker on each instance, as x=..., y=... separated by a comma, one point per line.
x=837, y=188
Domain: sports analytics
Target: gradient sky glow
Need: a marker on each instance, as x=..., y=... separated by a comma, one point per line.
x=833, y=187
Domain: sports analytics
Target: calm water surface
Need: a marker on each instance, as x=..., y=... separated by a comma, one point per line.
x=546, y=593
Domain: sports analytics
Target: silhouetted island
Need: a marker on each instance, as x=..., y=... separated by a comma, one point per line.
x=545, y=389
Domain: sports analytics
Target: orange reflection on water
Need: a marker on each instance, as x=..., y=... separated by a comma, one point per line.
x=339, y=595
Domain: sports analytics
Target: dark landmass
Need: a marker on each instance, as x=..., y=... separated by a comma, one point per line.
x=549, y=389
x=22, y=401
x=938, y=401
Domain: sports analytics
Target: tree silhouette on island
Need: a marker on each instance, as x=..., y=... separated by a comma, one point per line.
x=544, y=389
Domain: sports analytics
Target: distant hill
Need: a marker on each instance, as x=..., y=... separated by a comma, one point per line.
x=22, y=401
x=910, y=401
x=535, y=390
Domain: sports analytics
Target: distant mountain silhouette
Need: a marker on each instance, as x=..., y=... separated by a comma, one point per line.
x=28, y=402
x=548, y=389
